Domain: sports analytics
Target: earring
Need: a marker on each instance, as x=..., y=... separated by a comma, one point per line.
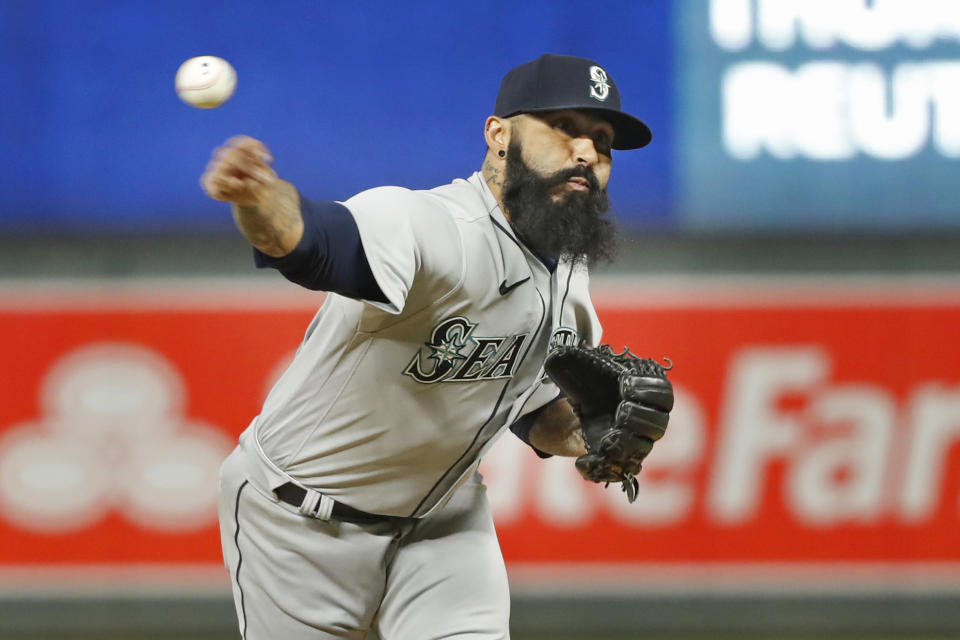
x=501, y=153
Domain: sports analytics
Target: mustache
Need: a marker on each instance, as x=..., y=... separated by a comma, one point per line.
x=579, y=171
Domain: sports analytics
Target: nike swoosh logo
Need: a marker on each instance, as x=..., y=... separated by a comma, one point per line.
x=504, y=289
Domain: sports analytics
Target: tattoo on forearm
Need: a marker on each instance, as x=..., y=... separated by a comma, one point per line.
x=267, y=227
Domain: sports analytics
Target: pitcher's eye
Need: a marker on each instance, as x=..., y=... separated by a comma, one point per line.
x=603, y=142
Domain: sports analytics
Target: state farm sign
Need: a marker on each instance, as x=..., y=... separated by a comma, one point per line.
x=853, y=453
x=814, y=422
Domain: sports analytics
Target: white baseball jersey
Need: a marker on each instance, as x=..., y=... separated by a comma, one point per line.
x=387, y=407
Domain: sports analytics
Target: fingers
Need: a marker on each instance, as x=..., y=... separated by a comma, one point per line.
x=220, y=183
x=238, y=164
x=246, y=159
x=227, y=188
x=248, y=145
x=244, y=150
x=240, y=172
x=621, y=452
x=596, y=468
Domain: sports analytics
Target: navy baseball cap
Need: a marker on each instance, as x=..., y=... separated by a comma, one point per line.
x=567, y=82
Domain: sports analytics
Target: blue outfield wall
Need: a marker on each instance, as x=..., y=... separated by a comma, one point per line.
x=347, y=95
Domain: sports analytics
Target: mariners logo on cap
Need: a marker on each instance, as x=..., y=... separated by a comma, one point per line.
x=600, y=88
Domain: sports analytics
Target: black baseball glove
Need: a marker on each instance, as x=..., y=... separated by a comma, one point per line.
x=623, y=403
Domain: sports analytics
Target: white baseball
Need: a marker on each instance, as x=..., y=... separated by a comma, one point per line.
x=206, y=81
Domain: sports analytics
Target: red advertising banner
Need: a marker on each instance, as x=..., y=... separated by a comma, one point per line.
x=816, y=421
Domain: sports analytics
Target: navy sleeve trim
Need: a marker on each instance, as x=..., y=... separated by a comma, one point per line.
x=329, y=256
x=521, y=429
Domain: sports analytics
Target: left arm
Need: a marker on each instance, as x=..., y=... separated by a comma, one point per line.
x=556, y=430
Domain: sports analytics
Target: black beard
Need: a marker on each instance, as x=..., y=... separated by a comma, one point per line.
x=574, y=227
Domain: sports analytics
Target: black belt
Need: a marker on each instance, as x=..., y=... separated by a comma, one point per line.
x=293, y=495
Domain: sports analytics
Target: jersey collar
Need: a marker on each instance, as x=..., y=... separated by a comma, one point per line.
x=514, y=268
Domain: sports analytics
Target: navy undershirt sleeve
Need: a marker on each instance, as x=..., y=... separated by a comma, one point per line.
x=329, y=256
x=521, y=429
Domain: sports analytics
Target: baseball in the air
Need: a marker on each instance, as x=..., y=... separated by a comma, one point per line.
x=206, y=81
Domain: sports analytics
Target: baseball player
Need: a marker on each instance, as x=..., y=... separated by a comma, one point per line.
x=352, y=501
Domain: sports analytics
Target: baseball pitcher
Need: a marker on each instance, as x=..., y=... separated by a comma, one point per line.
x=352, y=501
